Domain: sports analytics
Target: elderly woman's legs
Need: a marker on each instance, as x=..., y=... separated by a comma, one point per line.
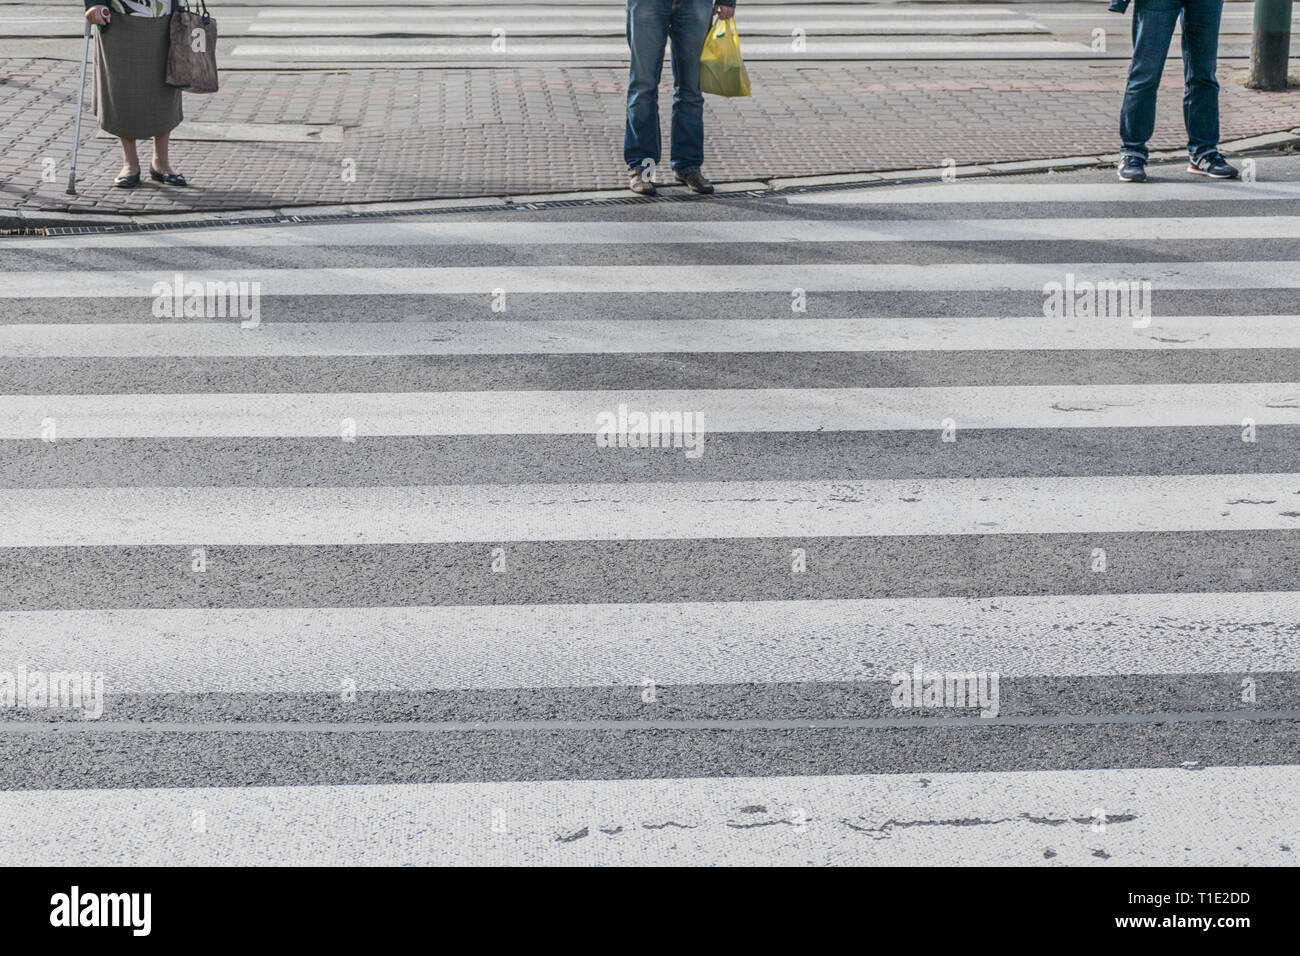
x=161, y=161
x=130, y=158
x=160, y=168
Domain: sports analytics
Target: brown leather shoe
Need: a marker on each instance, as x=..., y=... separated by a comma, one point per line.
x=638, y=184
x=695, y=182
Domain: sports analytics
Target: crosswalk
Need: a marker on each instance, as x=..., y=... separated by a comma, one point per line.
x=333, y=33
x=532, y=31
x=392, y=574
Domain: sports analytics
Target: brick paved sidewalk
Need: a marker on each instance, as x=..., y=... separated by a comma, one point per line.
x=424, y=134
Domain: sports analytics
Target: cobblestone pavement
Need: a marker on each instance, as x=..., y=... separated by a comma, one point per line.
x=424, y=134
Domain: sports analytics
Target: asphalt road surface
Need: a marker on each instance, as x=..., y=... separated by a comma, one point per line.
x=365, y=583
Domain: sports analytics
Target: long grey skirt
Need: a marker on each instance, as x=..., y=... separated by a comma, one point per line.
x=132, y=98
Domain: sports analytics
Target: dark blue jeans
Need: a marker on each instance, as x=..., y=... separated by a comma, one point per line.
x=651, y=24
x=1153, y=28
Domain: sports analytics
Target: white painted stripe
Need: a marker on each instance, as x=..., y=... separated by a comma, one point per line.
x=488, y=280
x=1243, y=13
x=754, y=49
x=617, y=336
x=1193, y=190
x=298, y=650
x=617, y=14
x=252, y=728
x=731, y=232
x=482, y=29
x=633, y=511
x=1217, y=816
x=721, y=410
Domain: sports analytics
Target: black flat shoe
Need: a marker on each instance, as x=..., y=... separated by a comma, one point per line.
x=171, y=179
x=127, y=182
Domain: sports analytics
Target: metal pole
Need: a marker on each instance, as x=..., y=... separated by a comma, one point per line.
x=1270, y=48
x=76, y=130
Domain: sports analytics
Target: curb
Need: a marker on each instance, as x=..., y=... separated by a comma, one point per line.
x=21, y=222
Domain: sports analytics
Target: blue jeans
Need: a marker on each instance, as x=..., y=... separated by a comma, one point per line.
x=1153, y=28
x=651, y=24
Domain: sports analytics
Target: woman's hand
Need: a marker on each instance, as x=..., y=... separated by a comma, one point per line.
x=99, y=15
x=724, y=12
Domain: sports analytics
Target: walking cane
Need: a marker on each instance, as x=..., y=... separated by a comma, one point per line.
x=81, y=96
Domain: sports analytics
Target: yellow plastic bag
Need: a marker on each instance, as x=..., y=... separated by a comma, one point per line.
x=722, y=71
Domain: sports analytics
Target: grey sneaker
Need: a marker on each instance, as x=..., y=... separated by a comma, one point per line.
x=639, y=184
x=1212, y=164
x=1133, y=169
x=694, y=181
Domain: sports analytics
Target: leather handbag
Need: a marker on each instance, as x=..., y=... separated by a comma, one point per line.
x=192, y=58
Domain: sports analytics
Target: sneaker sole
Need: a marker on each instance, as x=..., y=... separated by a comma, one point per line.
x=1131, y=179
x=1201, y=172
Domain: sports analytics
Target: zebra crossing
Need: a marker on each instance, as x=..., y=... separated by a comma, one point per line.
x=363, y=584
x=326, y=33
x=333, y=33
x=779, y=31
x=531, y=31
